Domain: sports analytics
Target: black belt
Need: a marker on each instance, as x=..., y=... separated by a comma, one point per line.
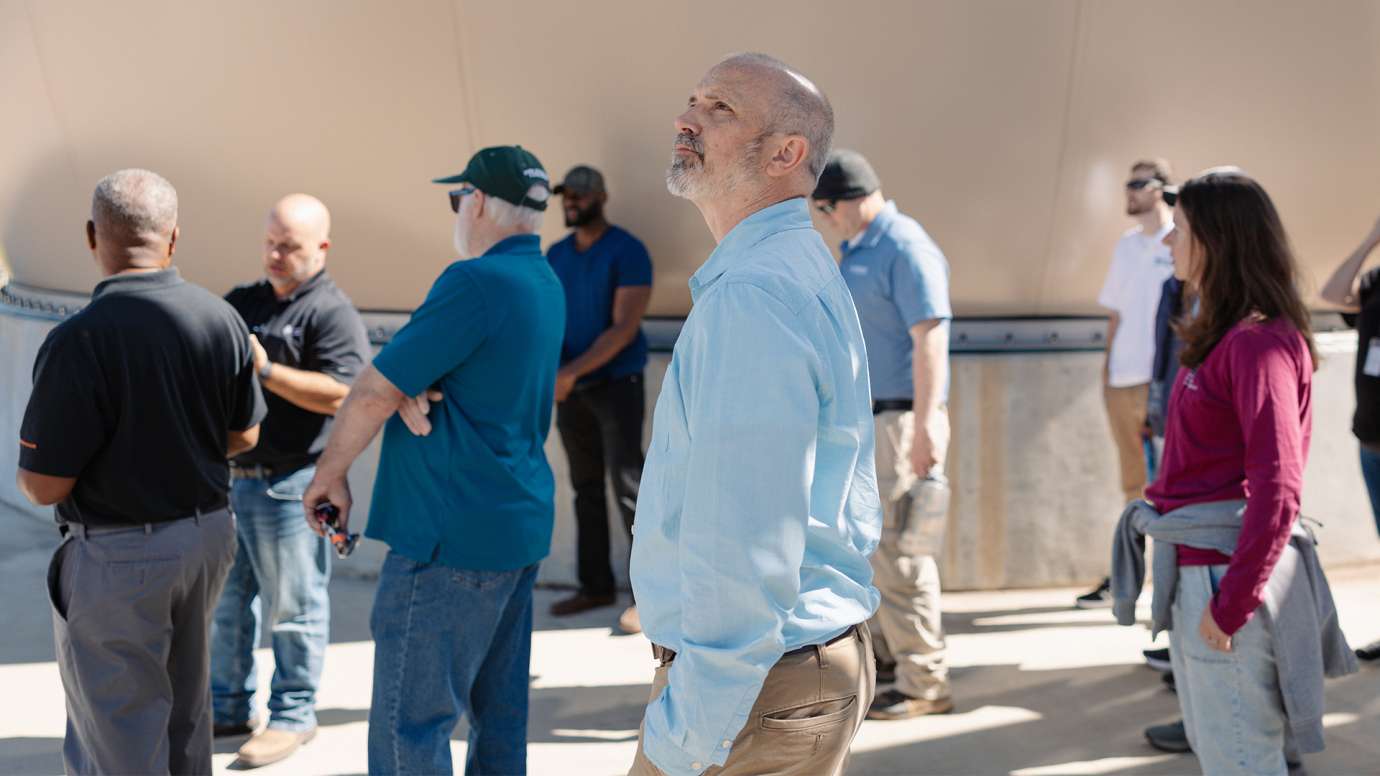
x=666, y=654
x=259, y=471
x=148, y=528
x=892, y=405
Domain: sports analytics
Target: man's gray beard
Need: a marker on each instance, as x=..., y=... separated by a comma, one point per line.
x=681, y=180
x=684, y=180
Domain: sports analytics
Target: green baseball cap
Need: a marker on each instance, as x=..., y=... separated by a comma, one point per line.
x=506, y=172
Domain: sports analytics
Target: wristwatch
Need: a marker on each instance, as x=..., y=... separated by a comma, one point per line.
x=267, y=369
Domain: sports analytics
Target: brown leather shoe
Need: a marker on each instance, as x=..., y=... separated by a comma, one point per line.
x=581, y=602
x=228, y=729
x=894, y=704
x=629, y=622
x=272, y=745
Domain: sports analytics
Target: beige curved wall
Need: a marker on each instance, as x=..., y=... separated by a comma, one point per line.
x=1004, y=126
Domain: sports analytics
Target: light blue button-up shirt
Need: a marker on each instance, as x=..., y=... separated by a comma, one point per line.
x=758, y=507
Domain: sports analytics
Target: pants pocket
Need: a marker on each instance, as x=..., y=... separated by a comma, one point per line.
x=811, y=717
x=56, y=596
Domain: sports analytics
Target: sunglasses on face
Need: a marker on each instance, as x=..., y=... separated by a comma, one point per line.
x=828, y=207
x=1136, y=184
x=458, y=194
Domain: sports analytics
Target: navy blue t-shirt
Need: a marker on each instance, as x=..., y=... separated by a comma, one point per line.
x=615, y=260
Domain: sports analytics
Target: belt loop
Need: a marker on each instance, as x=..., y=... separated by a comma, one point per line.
x=822, y=652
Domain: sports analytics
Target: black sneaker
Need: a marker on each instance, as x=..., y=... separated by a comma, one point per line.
x=1169, y=738
x=1099, y=598
x=1370, y=652
x=1158, y=659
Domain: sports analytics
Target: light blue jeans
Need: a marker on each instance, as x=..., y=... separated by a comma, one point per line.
x=1233, y=711
x=1370, y=472
x=282, y=565
x=448, y=642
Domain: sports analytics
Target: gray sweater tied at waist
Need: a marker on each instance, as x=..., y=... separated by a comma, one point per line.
x=1308, y=640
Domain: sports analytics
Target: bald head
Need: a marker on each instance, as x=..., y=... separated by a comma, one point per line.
x=791, y=103
x=298, y=235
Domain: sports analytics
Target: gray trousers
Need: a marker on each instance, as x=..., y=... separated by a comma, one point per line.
x=906, y=630
x=131, y=615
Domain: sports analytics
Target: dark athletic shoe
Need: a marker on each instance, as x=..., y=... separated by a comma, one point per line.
x=581, y=602
x=894, y=704
x=1158, y=659
x=1370, y=652
x=1169, y=738
x=1098, y=598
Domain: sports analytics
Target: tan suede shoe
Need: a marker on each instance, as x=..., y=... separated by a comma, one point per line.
x=629, y=622
x=270, y=746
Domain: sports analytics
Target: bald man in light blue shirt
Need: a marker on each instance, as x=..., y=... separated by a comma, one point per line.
x=759, y=504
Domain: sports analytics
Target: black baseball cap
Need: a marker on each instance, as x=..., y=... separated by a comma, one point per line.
x=582, y=179
x=847, y=175
x=506, y=172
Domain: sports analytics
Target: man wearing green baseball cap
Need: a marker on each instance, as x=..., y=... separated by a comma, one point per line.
x=463, y=494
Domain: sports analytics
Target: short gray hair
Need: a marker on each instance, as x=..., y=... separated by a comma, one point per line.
x=137, y=202
x=523, y=219
x=801, y=108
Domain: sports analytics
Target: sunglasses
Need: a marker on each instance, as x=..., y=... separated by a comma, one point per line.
x=1136, y=184
x=828, y=207
x=458, y=194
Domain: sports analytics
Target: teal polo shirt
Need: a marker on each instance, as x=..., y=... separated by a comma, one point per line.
x=476, y=493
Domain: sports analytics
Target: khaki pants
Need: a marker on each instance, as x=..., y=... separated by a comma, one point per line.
x=1126, y=414
x=810, y=707
x=906, y=628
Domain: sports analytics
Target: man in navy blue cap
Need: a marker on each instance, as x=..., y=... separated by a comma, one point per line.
x=463, y=495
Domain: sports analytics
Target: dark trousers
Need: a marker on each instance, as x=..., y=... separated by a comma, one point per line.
x=601, y=428
x=131, y=613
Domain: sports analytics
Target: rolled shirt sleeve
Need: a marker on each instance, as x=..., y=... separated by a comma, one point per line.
x=67, y=419
x=449, y=326
x=634, y=266
x=752, y=415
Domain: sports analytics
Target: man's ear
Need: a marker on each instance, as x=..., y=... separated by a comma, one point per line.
x=172, y=240
x=789, y=155
x=91, y=234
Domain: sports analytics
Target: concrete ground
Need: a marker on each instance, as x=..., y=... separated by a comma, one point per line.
x=1040, y=688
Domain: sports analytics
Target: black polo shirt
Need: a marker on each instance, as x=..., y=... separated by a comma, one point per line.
x=316, y=328
x=1365, y=424
x=135, y=397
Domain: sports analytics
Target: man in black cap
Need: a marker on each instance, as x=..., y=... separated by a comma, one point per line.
x=900, y=284
x=138, y=399
x=463, y=494
x=607, y=276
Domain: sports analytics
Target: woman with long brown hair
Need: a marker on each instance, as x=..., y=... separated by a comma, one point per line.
x=1236, y=443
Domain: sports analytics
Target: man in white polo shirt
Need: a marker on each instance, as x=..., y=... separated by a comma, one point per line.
x=1131, y=294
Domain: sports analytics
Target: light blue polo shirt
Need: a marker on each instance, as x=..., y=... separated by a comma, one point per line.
x=476, y=493
x=898, y=278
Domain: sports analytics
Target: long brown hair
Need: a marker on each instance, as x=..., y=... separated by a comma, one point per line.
x=1247, y=268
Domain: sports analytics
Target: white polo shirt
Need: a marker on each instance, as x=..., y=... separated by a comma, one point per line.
x=1140, y=265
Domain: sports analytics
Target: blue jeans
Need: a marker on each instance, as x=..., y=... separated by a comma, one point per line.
x=447, y=642
x=1231, y=702
x=281, y=561
x=1370, y=472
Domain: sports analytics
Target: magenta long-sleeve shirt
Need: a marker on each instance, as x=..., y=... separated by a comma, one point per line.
x=1239, y=427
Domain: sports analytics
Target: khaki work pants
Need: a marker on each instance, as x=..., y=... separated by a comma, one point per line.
x=906, y=629
x=810, y=708
x=1126, y=415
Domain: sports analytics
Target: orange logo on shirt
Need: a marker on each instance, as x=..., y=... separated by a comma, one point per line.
x=26, y=443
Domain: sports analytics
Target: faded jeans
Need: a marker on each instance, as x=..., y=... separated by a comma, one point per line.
x=283, y=566
x=1231, y=702
x=450, y=642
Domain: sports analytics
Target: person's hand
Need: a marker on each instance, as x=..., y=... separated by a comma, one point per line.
x=1213, y=635
x=260, y=355
x=922, y=458
x=565, y=383
x=332, y=488
x=414, y=410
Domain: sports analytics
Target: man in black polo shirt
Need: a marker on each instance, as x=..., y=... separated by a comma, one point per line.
x=309, y=344
x=137, y=401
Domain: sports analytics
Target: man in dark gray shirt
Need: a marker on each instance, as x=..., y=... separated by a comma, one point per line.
x=137, y=401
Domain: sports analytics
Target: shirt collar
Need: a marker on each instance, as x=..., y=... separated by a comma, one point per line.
x=136, y=281
x=518, y=243
x=791, y=214
x=873, y=234
x=308, y=285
